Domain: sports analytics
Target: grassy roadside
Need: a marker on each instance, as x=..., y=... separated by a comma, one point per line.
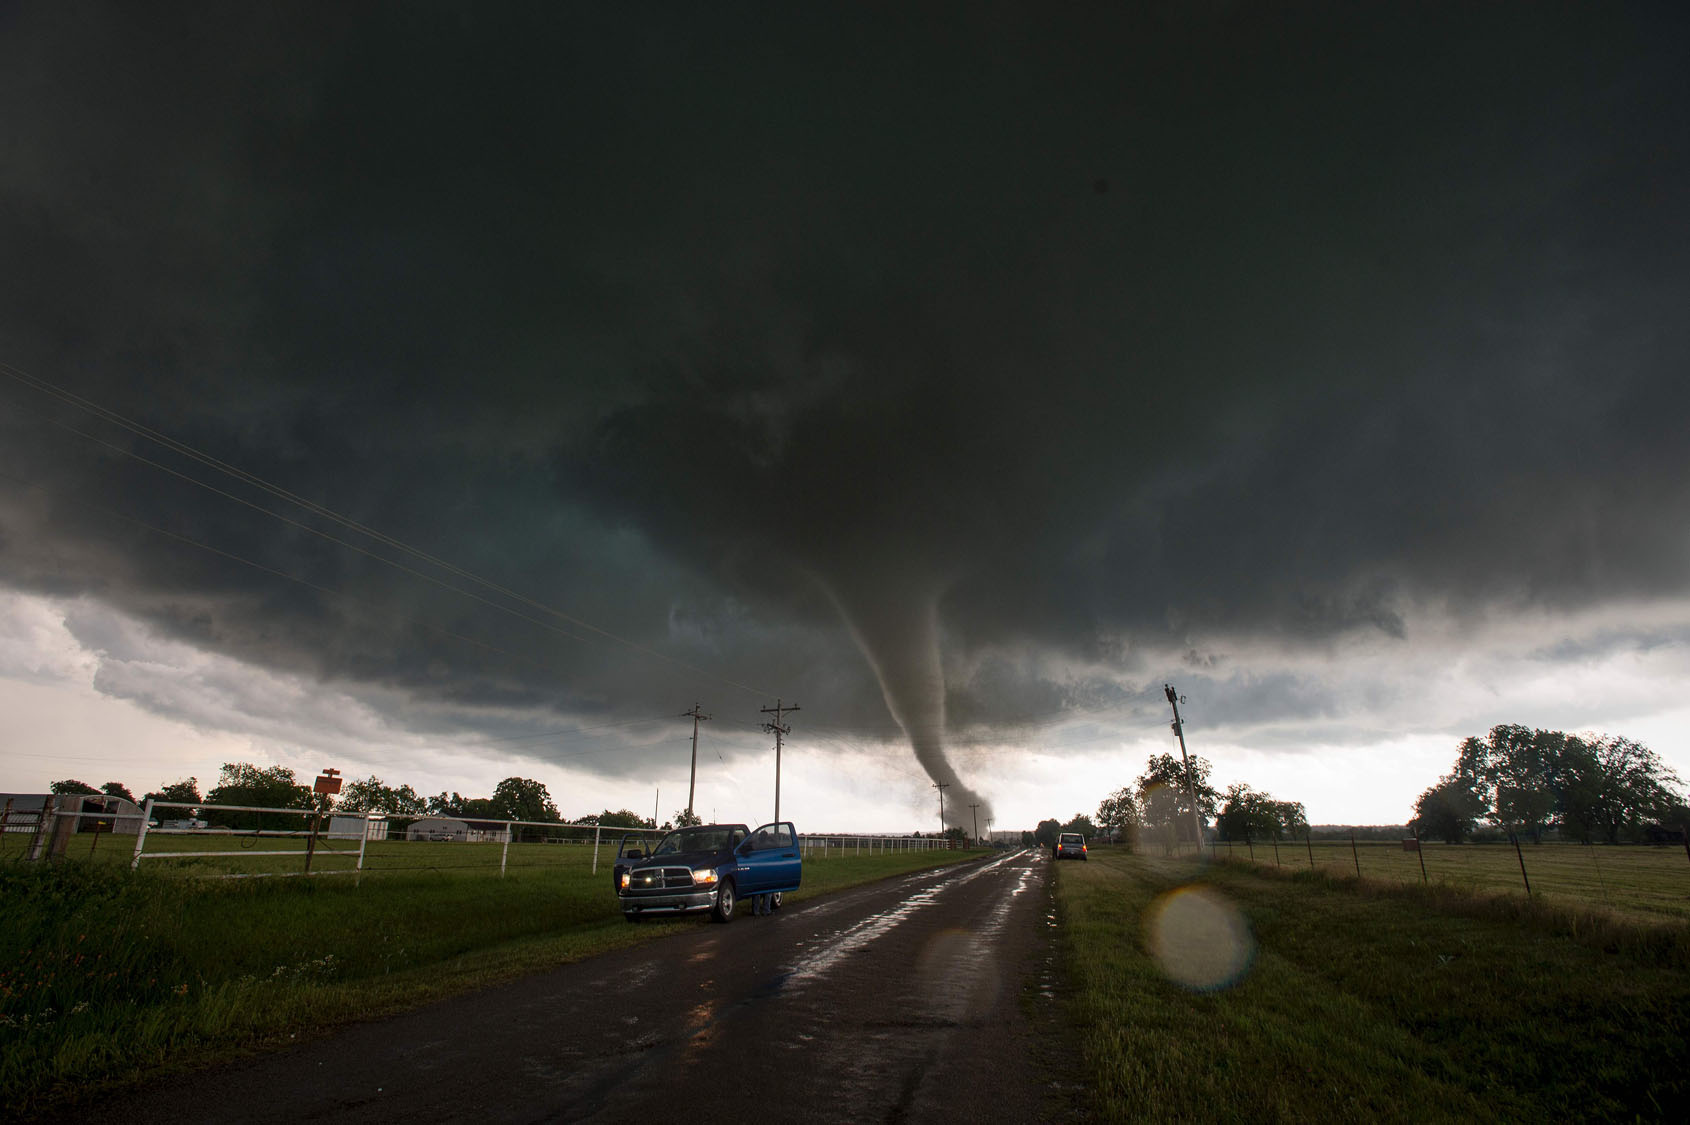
x=108, y=976
x=1367, y=1002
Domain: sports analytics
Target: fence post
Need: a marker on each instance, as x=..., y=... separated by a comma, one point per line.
x=311, y=841
x=1515, y=838
x=1420, y=854
x=596, y=831
x=1306, y=834
x=1354, y=854
x=1598, y=867
x=1276, y=851
x=141, y=835
x=363, y=842
x=505, y=853
x=1684, y=830
x=46, y=823
x=1251, y=844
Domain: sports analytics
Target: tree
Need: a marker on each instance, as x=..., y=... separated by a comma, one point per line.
x=1612, y=787
x=1046, y=833
x=1118, y=815
x=1449, y=810
x=685, y=819
x=1585, y=786
x=1248, y=814
x=1164, y=797
x=272, y=787
x=957, y=835
x=187, y=791
x=463, y=808
x=72, y=787
x=445, y=804
x=622, y=818
x=1082, y=824
x=373, y=795
x=519, y=798
x=118, y=789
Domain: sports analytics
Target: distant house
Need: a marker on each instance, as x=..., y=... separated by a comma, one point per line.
x=52, y=819
x=22, y=812
x=463, y=831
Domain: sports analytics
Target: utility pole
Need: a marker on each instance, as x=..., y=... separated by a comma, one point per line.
x=941, y=786
x=1190, y=784
x=692, y=783
x=976, y=809
x=778, y=731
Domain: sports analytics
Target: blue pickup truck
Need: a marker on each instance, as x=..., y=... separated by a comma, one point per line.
x=706, y=867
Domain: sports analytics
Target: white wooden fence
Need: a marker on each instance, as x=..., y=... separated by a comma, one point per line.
x=814, y=846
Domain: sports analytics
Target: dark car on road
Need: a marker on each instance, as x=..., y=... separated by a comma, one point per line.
x=708, y=867
x=1070, y=845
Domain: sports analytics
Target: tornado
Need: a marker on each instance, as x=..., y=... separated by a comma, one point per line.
x=897, y=627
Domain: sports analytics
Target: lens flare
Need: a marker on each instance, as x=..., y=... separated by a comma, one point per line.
x=1199, y=939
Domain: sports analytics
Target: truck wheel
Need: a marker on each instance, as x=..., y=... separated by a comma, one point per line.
x=774, y=901
x=723, y=911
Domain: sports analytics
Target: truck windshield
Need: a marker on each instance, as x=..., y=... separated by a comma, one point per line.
x=692, y=840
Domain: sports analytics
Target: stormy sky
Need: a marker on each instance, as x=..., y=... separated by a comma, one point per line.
x=962, y=373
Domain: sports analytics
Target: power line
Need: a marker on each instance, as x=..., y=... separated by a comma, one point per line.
x=277, y=491
x=307, y=583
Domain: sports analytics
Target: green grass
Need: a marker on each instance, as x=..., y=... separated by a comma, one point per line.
x=111, y=975
x=1373, y=1001
x=1645, y=883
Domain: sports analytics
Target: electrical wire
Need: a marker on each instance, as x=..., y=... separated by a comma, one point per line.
x=182, y=448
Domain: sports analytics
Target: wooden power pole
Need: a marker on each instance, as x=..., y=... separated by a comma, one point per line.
x=976, y=809
x=692, y=782
x=1190, y=782
x=779, y=732
x=941, y=786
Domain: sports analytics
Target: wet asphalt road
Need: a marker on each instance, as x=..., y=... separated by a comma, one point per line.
x=921, y=998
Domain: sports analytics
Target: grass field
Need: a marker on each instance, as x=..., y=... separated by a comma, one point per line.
x=1312, y=997
x=109, y=975
x=1645, y=883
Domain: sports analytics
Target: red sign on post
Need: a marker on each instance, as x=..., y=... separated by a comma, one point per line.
x=329, y=783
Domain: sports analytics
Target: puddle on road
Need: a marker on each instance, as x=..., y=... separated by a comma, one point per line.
x=842, y=943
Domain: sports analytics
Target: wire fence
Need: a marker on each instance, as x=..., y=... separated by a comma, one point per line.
x=1632, y=878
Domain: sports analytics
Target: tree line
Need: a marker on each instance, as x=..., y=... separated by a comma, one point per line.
x=276, y=787
x=1159, y=806
x=1516, y=779
x=1582, y=787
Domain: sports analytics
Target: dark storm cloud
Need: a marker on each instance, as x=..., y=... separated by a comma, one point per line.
x=718, y=329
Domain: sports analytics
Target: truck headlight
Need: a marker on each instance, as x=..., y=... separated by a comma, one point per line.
x=624, y=880
x=704, y=877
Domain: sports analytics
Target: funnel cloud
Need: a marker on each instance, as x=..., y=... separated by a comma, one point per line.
x=898, y=630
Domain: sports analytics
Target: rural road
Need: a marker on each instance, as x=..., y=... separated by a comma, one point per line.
x=901, y=1001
